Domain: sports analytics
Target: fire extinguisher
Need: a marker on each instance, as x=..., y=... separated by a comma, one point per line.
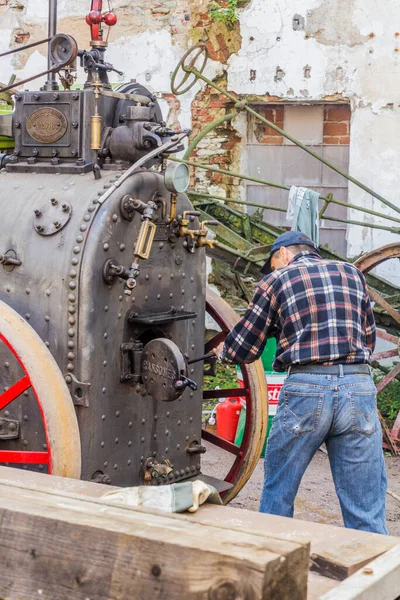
x=228, y=412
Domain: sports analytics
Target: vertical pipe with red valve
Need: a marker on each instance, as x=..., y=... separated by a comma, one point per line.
x=95, y=18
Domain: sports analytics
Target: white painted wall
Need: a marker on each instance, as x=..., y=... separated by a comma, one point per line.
x=351, y=48
x=354, y=52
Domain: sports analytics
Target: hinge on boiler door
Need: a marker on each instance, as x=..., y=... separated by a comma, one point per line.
x=131, y=356
x=9, y=429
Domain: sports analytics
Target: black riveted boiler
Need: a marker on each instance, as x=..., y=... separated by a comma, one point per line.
x=102, y=281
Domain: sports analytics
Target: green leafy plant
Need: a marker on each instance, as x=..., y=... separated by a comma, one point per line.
x=226, y=377
x=389, y=400
x=226, y=14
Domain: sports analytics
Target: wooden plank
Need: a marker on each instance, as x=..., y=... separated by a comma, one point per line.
x=349, y=548
x=319, y=585
x=336, y=552
x=380, y=580
x=83, y=548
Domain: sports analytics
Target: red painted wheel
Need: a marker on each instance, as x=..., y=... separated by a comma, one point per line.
x=246, y=455
x=38, y=424
x=387, y=314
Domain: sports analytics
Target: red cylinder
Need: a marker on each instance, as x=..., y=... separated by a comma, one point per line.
x=228, y=413
x=110, y=19
x=94, y=17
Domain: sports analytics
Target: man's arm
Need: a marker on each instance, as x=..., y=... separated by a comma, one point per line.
x=247, y=340
x=369, y=324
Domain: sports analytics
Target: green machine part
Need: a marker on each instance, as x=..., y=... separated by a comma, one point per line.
x=6, y=143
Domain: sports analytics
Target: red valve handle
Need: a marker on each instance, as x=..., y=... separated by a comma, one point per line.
x=94, y=21
x=95, y=18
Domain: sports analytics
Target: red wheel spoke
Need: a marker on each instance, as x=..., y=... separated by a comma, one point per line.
x=214, y=342
x=221, y=443
x=376, y=297
x=226, y=393
x=388, y=378
x=385, y=354
x=32, y=458
x=14, y=391
x=396, y=428
x=384, y=335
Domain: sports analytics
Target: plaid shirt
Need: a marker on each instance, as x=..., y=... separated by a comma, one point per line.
x=318, y=310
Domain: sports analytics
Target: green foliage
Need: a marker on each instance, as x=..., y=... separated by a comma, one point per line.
x=389, y=400
x=228, y=14
x=226, y=377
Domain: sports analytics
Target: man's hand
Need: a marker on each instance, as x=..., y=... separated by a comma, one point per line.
x=218, y=349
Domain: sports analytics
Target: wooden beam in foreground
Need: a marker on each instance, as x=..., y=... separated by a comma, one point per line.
x=58, y=544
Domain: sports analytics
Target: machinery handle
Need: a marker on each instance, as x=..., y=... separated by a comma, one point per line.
x=185, y=382
x=209, y=356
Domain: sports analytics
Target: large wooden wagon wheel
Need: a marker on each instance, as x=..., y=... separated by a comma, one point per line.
x=366, y=263
x=38, y=424
x=245, y=456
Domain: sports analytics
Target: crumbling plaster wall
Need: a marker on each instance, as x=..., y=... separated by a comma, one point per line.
x=298, y=50
x=349, y=49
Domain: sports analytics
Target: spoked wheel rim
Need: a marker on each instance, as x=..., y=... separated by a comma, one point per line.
x=366, y=263
x=248, y=453
x=35, y=402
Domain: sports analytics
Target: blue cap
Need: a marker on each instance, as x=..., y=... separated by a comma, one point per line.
x=289, y=238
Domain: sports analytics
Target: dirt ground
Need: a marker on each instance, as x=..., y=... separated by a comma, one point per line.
x=316, y=499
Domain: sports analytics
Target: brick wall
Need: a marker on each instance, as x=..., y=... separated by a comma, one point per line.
x=336, y=126
x=218, y=147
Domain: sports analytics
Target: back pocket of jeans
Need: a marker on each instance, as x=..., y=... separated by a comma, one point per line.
x=364, y=415
x=302, y=411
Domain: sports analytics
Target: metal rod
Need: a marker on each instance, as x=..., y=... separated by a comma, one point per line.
x=206, y=131
x=25, y=47
x=363, y=224
x=225, y=172
x=234, y=201
x=270, y=207
x=19, y=83
x=296, y=142
x=286, y=187
x=51, y=83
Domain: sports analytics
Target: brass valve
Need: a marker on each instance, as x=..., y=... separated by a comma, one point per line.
x=199, y=235
x=202, y=235
x=184, y=230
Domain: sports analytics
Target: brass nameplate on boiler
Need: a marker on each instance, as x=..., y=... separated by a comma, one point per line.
x=46, y=125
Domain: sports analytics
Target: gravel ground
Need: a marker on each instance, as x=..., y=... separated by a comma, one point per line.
x=316, y=499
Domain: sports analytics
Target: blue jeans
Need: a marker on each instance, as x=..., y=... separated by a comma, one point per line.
x=340, y=411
